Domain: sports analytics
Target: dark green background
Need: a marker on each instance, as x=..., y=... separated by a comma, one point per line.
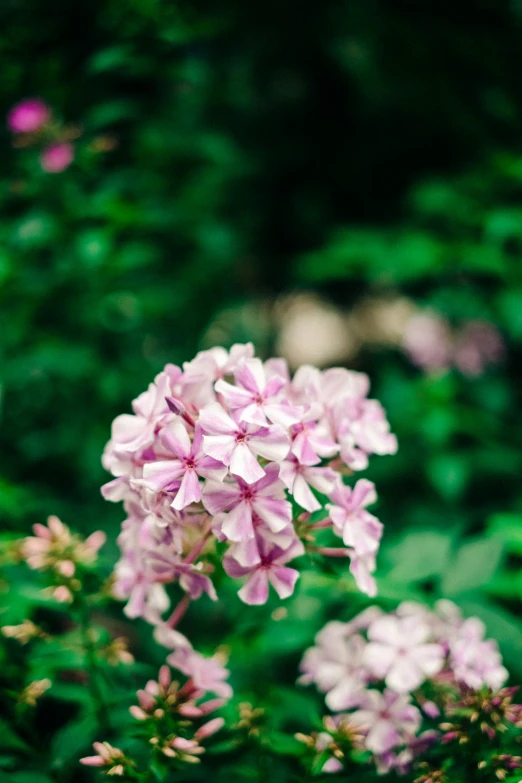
x=349, y=148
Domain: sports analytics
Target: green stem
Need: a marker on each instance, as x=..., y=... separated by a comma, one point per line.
x=93, y=669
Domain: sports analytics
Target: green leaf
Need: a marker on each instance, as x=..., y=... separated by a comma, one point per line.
x=473, y=566
x=420, y=555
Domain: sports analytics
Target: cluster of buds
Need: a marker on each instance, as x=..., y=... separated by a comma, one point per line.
x=331, y=747
x=215, y=455
x=24, y=632
x=113, y=760
x=173, y=720
x=398, y=673
x=54, y=548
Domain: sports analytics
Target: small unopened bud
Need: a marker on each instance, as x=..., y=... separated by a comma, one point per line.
x=209, y=728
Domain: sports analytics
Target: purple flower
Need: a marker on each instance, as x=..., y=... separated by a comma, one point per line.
x=399, y=652
x=298, y=479
x=181, y=475
x=427, y=341
x=236, y=444
x=255, y=398
x=311, y=438
x=242, y=501
x=336, y=665
x=57, y=157
x=271, y=569
x=389, y=720
x=476, y=661
x=207, y=674
x=28, y=116
x=358, y=528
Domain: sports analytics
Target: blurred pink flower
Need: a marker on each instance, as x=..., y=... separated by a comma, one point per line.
x=57, y=157
x=478, y=345
x=28, y=116
x=427, y=341
x=398, y=652
x=389, y=719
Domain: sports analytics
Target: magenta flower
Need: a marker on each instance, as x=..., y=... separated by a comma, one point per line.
x=28, y=116
x=181, y=475
x=255, y=398
x=57, y=157
x=271, y=569
x=389, y=719
x=236, y=444
x=298, y=479
x=399, y=652
x=242, y=501
x=358, y=528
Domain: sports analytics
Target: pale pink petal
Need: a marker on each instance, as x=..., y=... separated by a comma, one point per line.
x=251, y=375
x=275, y=513
x=218, y=496
x=255, y=590
x=210, y=468
x=283, y=580
x=220, y=447
x=304, y=495
x=176, y=438
x=303, y=450
x=162, y=475
x=281, y=413
x=189, y=491
x=234, y=396
x=429, y=658
x=237, y=525
x=271, y=443
x=243, y=463
x=214, y=420
x=404, y=676
x=382, y=737
x=378, y=658
x=364, y=493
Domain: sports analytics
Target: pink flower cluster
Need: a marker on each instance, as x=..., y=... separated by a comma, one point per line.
x=33, y=116
x=378, y=664
x=430, y=343
x=220, y=453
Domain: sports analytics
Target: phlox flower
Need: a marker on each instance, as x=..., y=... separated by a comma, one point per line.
x=476, y=661
x=271, y=569
x=399, y=652
x=237, y=444
x=337, y=667
x=358, y=528
x=298, y=479
x=255, y=398
x=389, y=719
x=242, y=501
x=207, y=674
x=181, y=474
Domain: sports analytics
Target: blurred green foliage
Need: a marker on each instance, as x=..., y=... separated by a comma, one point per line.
x=353, y=148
